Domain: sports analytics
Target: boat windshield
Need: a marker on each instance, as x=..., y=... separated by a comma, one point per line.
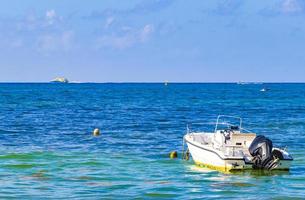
x=228, y=122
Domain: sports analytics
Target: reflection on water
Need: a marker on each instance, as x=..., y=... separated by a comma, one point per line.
x=256, y=173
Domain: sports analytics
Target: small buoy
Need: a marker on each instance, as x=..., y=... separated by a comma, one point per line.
x=96, y=132
x=173, y=154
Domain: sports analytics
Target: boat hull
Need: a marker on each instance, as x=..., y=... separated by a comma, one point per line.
x=209, y=158
x=205, y=157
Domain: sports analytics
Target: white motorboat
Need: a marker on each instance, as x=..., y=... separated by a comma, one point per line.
x=264, y=89
x=60, y=80
x=230, y=147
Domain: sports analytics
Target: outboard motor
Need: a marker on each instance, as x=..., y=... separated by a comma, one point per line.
x=261, y=150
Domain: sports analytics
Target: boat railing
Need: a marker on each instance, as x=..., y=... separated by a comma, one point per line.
x=218, y=122
x=226, y=123
x=190, y=130
x=246, y=130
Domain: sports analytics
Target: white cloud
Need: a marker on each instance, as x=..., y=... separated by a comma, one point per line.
x=146, y=32
x=286, y=7
x=129, y=37
x=109, y=22
x=51, y=16
x=291, y=6
x=41, y=22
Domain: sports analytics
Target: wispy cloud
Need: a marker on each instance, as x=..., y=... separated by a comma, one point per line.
x=48, y=43
x=292, y=6
x=42, y=32
x=127, y=38
x=146, y=32
x=151, y=6
x=144, y=7
x=39, y=22
x=51, y=17
x=228, y=7
x=109, y=22
x=284, y=7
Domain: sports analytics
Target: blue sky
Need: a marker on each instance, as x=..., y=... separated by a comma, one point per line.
x=152, y=40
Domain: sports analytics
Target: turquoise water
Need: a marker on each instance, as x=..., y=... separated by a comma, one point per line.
x=47, y=150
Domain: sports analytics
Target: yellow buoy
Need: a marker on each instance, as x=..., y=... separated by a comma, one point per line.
x=173, y=154
x=96, y=132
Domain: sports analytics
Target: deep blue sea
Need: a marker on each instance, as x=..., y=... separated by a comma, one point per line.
x=47, y=149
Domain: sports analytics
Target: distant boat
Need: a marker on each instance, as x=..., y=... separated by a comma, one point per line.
x=60, y=80
x=166, y=83
x=247, y=83
x=264, y=90
x=240, y=83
